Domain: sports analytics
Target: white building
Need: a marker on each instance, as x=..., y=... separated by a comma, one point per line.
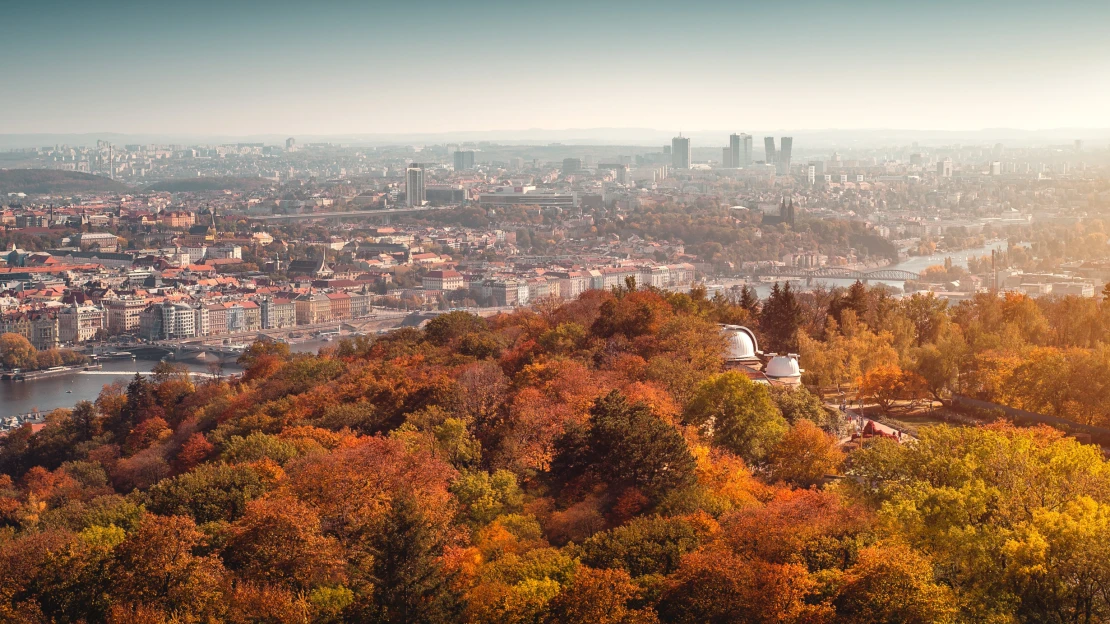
x=79, y=323
x=443, y=280
x=681, y=153
x=167, y=321
x=415, y=191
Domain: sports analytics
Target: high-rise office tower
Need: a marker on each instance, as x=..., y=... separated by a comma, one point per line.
x=571, y=165
x=726, y=158
x=734, y=151
x=746, y=150
x=782, y=165
x=680, y=152
x=769, y=148
x=290, y=144
x=464, y=160
x=944, y=168
x=415, y=194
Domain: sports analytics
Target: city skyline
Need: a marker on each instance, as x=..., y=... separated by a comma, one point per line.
x=335, y=68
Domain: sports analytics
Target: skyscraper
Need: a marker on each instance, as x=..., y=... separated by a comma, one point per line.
x=415, y=194
x=782, y=165
x=680, y=152
x=944, y=168
x=769, y=148
x=734, y=153
x=464, y=160
x=726, y=158
x=571, y=165
x=746, y=156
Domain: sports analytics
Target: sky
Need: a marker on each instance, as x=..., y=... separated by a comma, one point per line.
x=320, y=68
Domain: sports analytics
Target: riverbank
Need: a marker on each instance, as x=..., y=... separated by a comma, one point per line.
x=49, y=393
x=53, y=371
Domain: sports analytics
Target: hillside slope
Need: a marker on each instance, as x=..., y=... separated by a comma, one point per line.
x=52, y=182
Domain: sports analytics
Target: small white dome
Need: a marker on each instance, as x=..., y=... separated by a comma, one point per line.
x=783, y=366
x=741, y=343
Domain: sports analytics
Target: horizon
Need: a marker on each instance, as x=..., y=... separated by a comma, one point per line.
x=597, y=136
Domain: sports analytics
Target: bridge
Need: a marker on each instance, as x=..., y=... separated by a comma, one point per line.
x=349, y=214
x=893, y=275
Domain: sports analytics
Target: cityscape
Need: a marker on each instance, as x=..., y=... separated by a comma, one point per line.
x=589, y=313
x=168, y=242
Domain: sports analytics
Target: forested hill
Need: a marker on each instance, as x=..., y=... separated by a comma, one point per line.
x=198, y=185
x=585, y=462
x=53, y=182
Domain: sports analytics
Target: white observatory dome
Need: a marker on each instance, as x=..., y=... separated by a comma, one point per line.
x=741, y=343
x=783, y=367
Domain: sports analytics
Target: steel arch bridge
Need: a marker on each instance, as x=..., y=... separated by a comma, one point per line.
x=893, y=275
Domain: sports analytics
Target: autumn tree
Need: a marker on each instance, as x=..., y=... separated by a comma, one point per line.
x=886, y=385
x=156, y=566
x=804, y=455
x=599, y=597
x=17, y=352
x=279, y=541
x=715, y=585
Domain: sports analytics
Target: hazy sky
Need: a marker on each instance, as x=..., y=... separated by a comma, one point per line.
x=366, y=67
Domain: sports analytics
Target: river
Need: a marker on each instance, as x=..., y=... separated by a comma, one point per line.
x=913, y=264
x=22, y=397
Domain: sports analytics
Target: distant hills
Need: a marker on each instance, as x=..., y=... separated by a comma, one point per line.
x=53, y=182
x=812, y=137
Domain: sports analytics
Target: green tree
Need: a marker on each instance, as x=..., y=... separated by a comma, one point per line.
x=1008, y=515
x=447, y=328
x=928, y=314
x=484, y=497
x=647, y=545
x=208, y=493
x=801, y=404
x=749, y=300
x=626, y=445
x=780, y=319
x=410, y=582
x=737, y=414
